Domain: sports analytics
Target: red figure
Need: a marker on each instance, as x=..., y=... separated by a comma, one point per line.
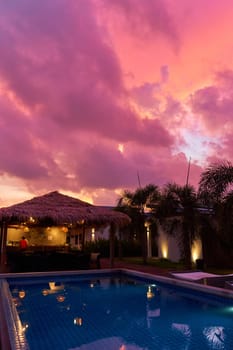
x=23, y=243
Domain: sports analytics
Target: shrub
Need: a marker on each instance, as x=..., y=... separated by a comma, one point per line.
x=122, y=248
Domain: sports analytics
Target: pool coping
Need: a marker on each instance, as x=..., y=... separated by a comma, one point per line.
x=6, y=305
x=225, y=293
x=4, y=333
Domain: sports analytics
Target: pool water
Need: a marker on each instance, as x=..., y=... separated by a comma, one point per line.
x=120, y=313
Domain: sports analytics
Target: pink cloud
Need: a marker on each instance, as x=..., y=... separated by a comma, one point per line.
x=214, y=103
x=146, y=19
x=75, y=88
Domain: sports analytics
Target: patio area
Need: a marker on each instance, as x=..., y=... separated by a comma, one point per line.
x=50, y=260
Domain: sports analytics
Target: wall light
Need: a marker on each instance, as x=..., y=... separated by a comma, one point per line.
x=93, y=234
x=164, y=248
x=196, y=250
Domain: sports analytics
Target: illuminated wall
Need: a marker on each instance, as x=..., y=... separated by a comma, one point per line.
x=37, y=235
x=168, y=247
x=54, y=235
x=197, y=250
x=14, y=234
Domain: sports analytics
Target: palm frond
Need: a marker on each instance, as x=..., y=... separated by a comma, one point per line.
x=215, y=181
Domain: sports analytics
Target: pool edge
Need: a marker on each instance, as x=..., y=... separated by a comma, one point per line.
x=6, y=304
x=4, y=332
x=226, y=293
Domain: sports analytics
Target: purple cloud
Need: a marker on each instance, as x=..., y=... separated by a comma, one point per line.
x=147, y=18
x=72, y=119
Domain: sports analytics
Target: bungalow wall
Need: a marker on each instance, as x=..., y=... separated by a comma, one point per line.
x=56, y=235
x=37, y=236
x=168, y=247
x=90, y=233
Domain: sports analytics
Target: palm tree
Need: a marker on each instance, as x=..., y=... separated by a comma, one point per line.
x=216, y=181
x=141, y=198
x=135, y=204
x=178, y=214
x=216, y=191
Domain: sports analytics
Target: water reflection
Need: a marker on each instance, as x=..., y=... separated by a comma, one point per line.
x=149, y=293
x=116, y=343
x=60, y=298
x=215, y=337
x=22, y=294
x=78, y=321
x=124, y=315
x=53, y=288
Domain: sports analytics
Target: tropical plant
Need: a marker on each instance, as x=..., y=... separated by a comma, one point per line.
x=216, y=182
x=140, y=199
x=135, y=205
x=216, y=191
x=177, y=213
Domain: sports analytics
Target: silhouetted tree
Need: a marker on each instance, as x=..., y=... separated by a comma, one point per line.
x=177, y=212
x=134, y=204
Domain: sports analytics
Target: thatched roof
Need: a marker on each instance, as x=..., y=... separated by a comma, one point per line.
x=61, y=209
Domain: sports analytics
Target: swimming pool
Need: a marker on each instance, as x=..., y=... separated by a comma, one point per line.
x=115, y=311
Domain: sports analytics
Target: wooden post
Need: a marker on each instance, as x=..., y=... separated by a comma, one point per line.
x=83, y=235
x=120, y=255
x=112, y=244
x=3, y=258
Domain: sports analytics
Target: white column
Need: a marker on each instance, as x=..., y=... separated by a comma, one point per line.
x=148, y=236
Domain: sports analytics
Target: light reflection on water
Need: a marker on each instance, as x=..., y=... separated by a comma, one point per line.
x=121, y=314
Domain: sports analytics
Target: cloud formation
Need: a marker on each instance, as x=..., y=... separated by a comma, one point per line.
x=94, y=91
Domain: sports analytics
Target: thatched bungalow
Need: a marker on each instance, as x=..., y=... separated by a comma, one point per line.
x=56, y=209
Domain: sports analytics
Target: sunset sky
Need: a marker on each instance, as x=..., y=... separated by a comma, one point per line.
x=95, y=92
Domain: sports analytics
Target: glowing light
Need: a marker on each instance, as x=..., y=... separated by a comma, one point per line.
x=25, y=327
x=148, y=232
x=45, y=292
x=22, y=294
x=164, y=249
x=194, y=255
x=55, y=287
x=60, y=298
x=149, y=293
x=78, y=321
x=196, y=250
x=93, y=234
x=229, y=310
